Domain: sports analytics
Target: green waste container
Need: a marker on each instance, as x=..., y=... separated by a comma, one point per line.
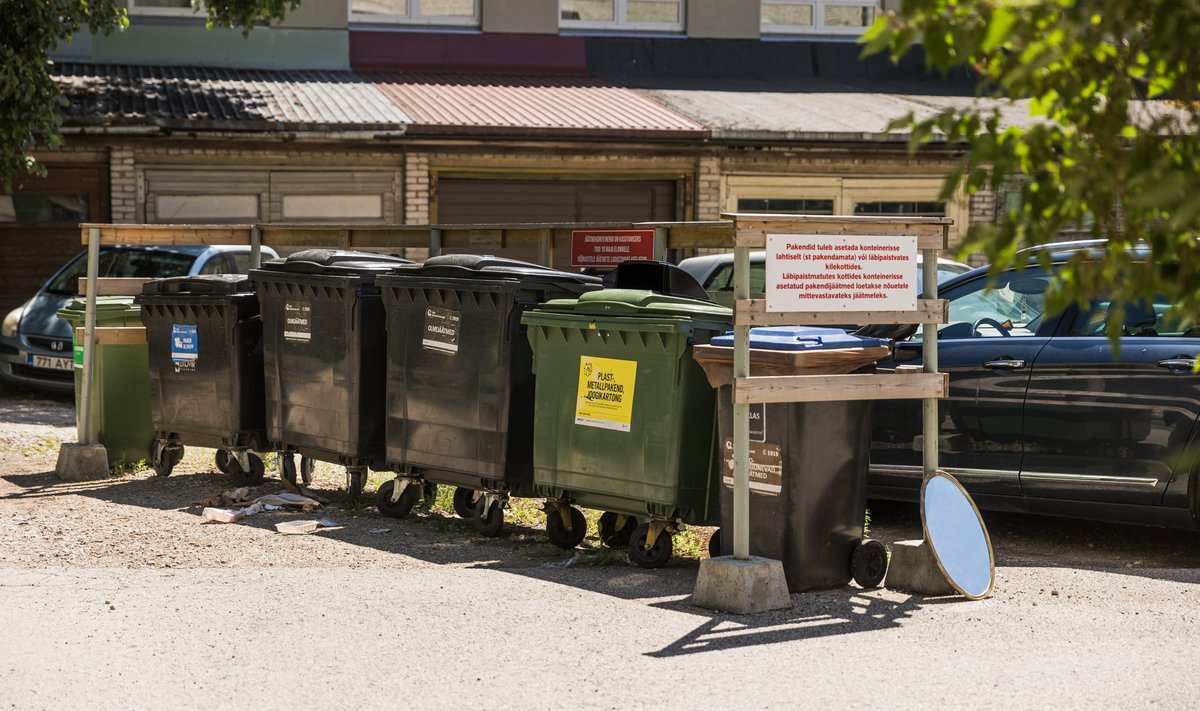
x=120, y=383
x=624, y=418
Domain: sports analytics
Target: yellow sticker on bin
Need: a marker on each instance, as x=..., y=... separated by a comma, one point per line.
x=605, y=397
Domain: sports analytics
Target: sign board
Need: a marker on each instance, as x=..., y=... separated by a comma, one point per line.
x=841, y=272
x=608, y=248
x=605, y=393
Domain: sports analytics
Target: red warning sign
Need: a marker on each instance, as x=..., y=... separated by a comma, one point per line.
x=608, y=248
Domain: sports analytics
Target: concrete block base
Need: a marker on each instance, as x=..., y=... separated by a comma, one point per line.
x=82, y=462
x=742, y=587
x=913, y=569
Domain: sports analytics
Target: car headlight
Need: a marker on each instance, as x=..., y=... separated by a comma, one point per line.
x=9, y=328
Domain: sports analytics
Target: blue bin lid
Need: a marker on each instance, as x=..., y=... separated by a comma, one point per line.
x=801, y=338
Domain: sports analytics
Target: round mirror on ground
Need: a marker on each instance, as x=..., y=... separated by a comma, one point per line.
x=957, y=536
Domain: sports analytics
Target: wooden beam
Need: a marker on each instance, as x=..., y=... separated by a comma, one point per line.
x=116, y=335
x=832, y=388
x=115, y=286
x=753, y=234
x=169, y=234
x=754, y=312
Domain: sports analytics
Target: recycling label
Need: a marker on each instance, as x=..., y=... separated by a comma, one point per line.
x=605, y=398
x=185, y=347
x=441, y=330
x=766, y=467
x=297, y=321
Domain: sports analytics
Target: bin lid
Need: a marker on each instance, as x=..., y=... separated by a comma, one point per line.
x=801, y=338
x=105, y=304
x=206, y=284
x=335, y=262
x=486, y=266
x=662, y=277
x=641, y=302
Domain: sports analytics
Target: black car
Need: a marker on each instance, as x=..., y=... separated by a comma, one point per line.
x=1044, y=415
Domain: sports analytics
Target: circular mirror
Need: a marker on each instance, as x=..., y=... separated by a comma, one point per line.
x=955, y=532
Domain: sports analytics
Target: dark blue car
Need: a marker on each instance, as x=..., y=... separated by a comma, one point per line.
x=1044, y=416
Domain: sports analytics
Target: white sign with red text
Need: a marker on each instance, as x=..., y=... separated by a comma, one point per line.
x=841, y=272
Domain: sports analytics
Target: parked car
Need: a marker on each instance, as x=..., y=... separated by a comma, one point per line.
x=1044, y=415
x=35, y=345
x=715, y=273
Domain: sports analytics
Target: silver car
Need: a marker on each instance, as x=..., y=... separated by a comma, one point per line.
x=35, y=345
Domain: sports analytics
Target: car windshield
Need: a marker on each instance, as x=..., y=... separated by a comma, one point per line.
x=123, y=263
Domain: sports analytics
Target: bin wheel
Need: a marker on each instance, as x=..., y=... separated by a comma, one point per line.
x=463, y=504
x=307, y=464
x=488, y=523
x=714, y=545
x=558, y=533
x=657, y=556
x=288, y=467
x=610, y=535
x=243, y=478
x=167, y=459
x=400, y=507
x=869, y=563
x=222, y=461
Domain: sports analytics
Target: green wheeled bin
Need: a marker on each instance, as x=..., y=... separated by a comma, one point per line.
x=120, y=388
x=624, y=417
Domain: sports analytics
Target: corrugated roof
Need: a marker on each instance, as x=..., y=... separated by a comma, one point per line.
x=224, y=99
x=529, y=105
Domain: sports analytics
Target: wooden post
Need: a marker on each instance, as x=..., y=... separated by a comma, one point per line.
x=89, y=339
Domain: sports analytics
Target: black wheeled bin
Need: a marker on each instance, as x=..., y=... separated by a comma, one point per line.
x=624, y=416
x=324, y=357
x=460, y=381
x=808, y=461
x=206, y=381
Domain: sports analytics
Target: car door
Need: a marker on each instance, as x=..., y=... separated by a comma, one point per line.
x=988, y=347
x=1108, y=425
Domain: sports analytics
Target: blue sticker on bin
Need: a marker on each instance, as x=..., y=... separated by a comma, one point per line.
x=185, y=343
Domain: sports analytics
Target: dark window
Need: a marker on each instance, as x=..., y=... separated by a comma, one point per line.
x=910, y=208
x=785, y=206
x=43, y=208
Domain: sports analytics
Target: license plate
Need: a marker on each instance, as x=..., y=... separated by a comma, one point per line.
x=50, y=362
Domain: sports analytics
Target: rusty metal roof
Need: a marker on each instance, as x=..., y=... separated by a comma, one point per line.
x=224, y=99
x=440, y=103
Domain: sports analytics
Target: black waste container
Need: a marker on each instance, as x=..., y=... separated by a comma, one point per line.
x=460, y=381
x=808, y=461
x=204, y=337
x=324, y=354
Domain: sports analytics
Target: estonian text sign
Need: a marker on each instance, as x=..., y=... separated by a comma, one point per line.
x=841, y=273
x=608, y=248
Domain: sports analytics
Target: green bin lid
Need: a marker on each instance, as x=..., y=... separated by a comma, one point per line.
x=640, y=302
x=104, y=305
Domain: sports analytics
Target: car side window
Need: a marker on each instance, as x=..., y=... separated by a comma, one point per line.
x=218, y=264
x=1015, y=307
x=722, y=279
x=241, y=261
x=1144, y=318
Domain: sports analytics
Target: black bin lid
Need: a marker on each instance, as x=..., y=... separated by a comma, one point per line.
x=659, y=277
x=486, y=266
x=335, y=262
x=207, y=284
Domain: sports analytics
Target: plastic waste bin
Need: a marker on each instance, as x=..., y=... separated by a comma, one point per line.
x=120, y=406
x=206, y=371
x=624, y=417
x=459, y=383
x=808, y=461
x=324, y=357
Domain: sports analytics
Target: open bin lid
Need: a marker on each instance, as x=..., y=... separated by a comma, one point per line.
x=661, y=277
x=802, y=338
x=335, y=262
x=203, y=284
x=491, y=268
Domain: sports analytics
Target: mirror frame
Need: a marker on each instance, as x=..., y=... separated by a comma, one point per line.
x=939, y=474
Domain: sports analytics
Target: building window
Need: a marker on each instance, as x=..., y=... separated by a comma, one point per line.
x=416, y=12
x=904, y=208
x=785, y=206
x=818, y=16
x=162, y=7
x=43, y=208
x=651, y=15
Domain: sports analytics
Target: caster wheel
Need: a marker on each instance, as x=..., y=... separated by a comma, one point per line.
x=400, y=507
x=869, y=563
x=222, y=461
x=288, y=468
x=306, y=470
x=464, y=504
x=610, y=535
x=167, y=459
x=657, y=556
x=488, y=523
x=714, y=545
x=244, y=478
x=558, y=533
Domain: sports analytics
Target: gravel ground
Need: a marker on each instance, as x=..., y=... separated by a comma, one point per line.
x=117, y=595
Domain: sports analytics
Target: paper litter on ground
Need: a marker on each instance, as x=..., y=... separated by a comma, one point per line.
x=303, y=526
x=268, y=502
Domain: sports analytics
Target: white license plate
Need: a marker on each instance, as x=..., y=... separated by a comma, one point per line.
x=50, y=362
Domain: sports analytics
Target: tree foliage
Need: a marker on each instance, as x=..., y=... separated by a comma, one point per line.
x=30, y=101
x=1108, y=146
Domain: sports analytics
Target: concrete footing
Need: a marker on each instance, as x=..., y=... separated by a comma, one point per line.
x=82, y=462
x=913, y=569
x=742, y=587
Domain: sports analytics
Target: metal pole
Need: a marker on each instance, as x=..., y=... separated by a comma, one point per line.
x=660, y=243
x=741, y=412
x=435, y=242
x=255, y=247
x=929, y=357
x=545, y=257
x=89, y=338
